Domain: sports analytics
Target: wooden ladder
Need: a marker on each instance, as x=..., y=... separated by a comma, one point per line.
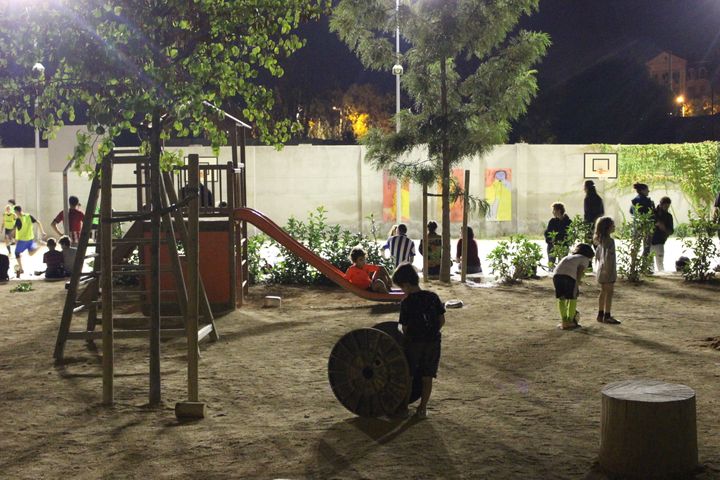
x=121, y=249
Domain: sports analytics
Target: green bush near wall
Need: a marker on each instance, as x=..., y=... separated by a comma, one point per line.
x=692, y=167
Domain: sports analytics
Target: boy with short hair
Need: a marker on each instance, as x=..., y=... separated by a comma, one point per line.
x=365, y=275
x=25, y=237
x=75, y=223
x=422, y=315
x=68, y=253
x=54, y=261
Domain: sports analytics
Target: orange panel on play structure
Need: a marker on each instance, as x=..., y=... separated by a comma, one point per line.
x=214, y=265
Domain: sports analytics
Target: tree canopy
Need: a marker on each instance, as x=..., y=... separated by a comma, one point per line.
x=468, y=74
x=122, y=60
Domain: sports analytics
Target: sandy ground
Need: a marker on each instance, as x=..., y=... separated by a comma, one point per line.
x=515, y=398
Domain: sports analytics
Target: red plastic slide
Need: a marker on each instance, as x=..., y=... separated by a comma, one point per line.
x=326, y=268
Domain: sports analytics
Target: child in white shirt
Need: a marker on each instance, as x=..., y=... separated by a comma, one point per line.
x=566, y=280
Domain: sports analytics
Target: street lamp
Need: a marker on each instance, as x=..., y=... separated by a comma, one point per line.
x=397, y=70
x=680, y=100
x=38, y=71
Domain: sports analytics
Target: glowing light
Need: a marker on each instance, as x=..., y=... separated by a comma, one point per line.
x=680, y=99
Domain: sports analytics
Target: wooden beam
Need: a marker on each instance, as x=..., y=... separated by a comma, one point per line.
x=154, y=344
x=466, y=203
x=192, y=251
x=106, y=280
x=426, y=247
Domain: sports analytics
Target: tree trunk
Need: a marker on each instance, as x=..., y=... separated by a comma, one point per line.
x=445, y=262
x=648, y=429
x=155, y=386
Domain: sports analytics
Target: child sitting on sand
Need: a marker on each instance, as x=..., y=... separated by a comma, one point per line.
x=365, y=275
x=68, y=253
x=54, y=261
x=422, y=315
x=566, y=280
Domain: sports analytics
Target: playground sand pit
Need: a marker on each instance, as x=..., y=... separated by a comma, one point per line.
x=515, y=398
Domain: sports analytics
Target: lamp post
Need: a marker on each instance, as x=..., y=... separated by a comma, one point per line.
x=680, y=100
x=397, y=70
x=38, y=70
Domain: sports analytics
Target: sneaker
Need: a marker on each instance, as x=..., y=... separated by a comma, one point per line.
x=611, y=321
x=421, y=414
x=569, y=326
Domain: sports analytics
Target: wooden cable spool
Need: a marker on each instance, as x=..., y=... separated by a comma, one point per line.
x=368, y=371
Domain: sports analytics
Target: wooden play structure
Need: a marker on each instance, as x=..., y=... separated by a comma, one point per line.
x=199, y=207
x=167, y=294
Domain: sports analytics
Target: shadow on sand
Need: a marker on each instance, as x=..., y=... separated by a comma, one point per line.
x=351, y=447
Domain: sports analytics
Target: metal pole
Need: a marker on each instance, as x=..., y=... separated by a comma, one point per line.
x=37, y=167
x=398, y=191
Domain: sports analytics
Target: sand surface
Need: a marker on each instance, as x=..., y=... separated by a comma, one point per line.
x=515, y=398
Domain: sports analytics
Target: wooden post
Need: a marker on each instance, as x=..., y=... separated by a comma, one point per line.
x=426, y=247
x=466, y=203
x=193, y=408
x=155, y=383
x=232, y=237
x=106, y=278
x=648, y=429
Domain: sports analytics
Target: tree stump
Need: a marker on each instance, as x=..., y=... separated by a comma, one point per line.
x=648, y=429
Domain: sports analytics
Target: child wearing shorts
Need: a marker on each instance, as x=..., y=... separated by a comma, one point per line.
x=422, y=315
x=568, y=274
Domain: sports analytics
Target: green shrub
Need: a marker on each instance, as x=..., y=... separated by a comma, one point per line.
x=515, y=259
x=577, y=232
x=632, y=265
x=331, y=242
x=682, y=230
x=701, y=242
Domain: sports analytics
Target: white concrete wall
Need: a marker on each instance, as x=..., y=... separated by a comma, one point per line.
x=297, y=179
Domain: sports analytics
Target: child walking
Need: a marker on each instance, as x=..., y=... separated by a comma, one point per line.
x=568, y=274
x=606, y=267
x=365, y=275
x=422, y=315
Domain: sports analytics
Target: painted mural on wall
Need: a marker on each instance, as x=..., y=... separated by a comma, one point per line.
x=498, y=193
x=389, y=199
x=456, y=209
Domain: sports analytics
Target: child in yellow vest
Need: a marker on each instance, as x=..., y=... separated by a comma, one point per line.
x=25, y=236
x=9, y=226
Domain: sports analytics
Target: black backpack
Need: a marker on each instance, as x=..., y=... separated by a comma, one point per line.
x=4, y=267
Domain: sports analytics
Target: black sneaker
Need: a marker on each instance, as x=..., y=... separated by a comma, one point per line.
x=611, y=321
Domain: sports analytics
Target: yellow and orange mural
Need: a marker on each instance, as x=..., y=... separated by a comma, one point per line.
x=389, y=199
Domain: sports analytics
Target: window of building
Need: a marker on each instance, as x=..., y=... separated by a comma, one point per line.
x=665, y=77
x=691, y=74
x=676, y=77
x=702, y=73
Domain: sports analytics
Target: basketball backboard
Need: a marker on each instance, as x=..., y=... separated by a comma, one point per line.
x=601, y=165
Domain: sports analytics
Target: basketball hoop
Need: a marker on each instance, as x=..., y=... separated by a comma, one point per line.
x=600, y=165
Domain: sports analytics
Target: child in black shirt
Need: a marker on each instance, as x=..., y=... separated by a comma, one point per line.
x=422, y=315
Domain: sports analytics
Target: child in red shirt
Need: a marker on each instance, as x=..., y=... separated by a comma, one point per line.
x=367, y=276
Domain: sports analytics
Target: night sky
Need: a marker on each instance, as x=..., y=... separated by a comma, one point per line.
x=584, y=34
